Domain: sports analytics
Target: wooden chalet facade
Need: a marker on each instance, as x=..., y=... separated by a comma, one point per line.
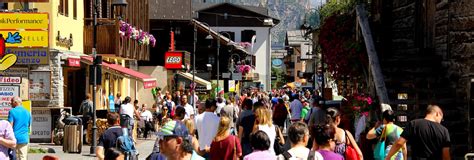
x=108, y=38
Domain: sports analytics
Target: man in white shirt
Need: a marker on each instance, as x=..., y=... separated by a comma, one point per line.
x=207, y=124
x=298, y=134
x=220, y=104
x=187, y=107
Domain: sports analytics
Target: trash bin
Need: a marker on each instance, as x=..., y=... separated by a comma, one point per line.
x=72, y=141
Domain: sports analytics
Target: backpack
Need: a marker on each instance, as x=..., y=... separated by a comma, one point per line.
x=125, y=145
x=169, y=105
x=86, y=108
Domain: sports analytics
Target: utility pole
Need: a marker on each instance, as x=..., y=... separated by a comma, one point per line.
x=94, y=68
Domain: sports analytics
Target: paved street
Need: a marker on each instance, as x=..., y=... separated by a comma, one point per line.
x=144, y=147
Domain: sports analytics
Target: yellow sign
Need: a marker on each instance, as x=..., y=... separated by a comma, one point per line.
x=24, y=21
x=16, y=39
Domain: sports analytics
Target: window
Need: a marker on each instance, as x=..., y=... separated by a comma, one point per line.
x=74, y=7
x=247, y=35
x=212, y=60
x=63, y=7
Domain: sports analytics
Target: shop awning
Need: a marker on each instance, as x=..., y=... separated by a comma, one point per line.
x=197, y=79
x=148, y=81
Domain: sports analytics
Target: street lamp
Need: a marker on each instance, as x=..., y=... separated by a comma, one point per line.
x=209, y=36
x=96, y=62
x=308, y=29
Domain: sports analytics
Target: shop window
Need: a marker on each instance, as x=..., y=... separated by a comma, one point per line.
x=402, y=96
x=402, y=107
x=212, y=60
x=402, y=118
x=247, y=35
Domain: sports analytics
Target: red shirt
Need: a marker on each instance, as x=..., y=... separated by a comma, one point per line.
x=224, y=149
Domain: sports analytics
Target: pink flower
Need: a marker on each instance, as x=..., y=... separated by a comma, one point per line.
x=356, y=108
x=369, y=100
x=365, y=114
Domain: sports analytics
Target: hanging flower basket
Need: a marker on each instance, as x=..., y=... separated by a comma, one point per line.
x=143, y=38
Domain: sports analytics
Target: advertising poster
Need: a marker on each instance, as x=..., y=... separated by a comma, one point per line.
x=40, y=86
x=41, y=127
x=6, y=94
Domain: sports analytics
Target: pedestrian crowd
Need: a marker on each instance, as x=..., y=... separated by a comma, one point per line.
x=282, y=125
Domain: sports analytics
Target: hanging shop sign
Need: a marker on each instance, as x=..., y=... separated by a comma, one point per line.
x=41, y=126
x=231, y=86
x=24, y=20
x=15, y=72
x=33, y=38
x=10, y=80
x=174, y=60
x=40, y=86
x=65, y=42
x=27, y=56
x=74, y=62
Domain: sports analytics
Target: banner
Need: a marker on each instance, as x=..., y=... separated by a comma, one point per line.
x=30, y=55
x=15, y=39
x=24, y=20
x=231, y=86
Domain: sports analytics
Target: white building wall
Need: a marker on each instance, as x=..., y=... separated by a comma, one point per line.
x=261, y=50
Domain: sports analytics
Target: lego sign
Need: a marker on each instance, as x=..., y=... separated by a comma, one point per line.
x=174, y=60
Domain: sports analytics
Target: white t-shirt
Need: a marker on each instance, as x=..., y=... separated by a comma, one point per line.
x=127, y=109
x=189, y=110
x=206, y=125
x=270, y=131
x=219, y=107
x=146, y=115
x=297, y=153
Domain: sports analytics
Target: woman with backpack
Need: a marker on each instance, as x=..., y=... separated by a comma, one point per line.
x=127, y=113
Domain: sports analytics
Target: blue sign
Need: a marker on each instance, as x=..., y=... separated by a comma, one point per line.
x=111, y=103
x=277, y=63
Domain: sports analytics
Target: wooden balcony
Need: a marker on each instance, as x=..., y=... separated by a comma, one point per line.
x=108, y=39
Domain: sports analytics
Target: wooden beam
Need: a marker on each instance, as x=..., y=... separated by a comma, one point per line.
x=373, y=58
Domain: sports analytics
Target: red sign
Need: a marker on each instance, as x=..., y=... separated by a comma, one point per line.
x=74, y=62
x=173, y=60
x=149, y=84
x=10, y=80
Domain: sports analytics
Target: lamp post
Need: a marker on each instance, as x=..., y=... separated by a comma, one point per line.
x=218, y=57
x=194, y=61
x=308, y=29
x=95, y=62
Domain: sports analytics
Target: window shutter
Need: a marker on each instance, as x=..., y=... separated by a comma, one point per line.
x=60, y=7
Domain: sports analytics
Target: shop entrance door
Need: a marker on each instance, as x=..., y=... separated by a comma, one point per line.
x=75, y=88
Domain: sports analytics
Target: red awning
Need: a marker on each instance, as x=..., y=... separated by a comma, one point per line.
x=148, y=81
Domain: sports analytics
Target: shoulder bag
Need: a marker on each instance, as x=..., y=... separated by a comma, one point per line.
x=277, y=147
x=351, y=153
x=379, y=149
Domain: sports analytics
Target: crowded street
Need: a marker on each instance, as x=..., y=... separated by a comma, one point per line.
x=236, y=79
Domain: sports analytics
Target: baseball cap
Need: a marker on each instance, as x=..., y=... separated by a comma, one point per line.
x=173, y=128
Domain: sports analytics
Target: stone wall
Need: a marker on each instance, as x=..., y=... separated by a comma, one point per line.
x=427, y=51
x=57, y=80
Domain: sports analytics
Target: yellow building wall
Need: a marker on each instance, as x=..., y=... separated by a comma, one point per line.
x=58, y=22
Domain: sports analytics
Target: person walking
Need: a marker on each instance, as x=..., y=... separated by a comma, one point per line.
x=295, y=108
x=225, y=146
x=390, y=133
x=168, y=103
x=127, y=114
x=7, y=139
x=109, y=138
x=427, y=137
x=299, y=136
x=175, y=143
x=261, y=145
x=118, y=102
x=206, y=125
x=21, y=120
x=86, y=110
x=220, y=104
x=280, y=113
x=231, y=111
x=146, y=121
x=323, y=142
x=245, y=124
x=188, y=108
x=263, y=122
x=343, y=138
